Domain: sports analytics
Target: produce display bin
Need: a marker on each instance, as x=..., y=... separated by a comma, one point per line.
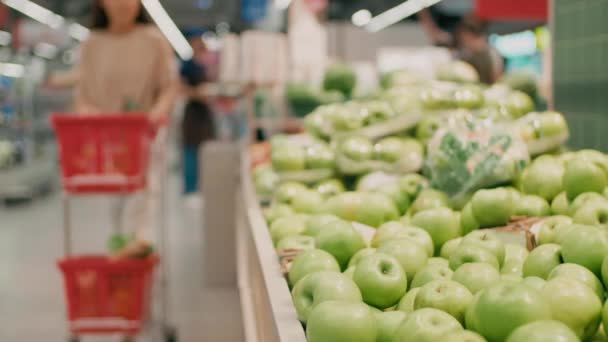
x=268, y=311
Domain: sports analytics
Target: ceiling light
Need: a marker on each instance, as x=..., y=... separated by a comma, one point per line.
x=282, y=4
x=398, y=13
x=36, y=12
x=361, y=17
x=12, y=70
x=169, y=29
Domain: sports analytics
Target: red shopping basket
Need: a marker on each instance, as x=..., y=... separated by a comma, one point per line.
x=107, y=296
x=103, y=153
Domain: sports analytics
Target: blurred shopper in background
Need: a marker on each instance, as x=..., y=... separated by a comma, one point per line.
x=469, y=43
x=127, y=65
x=197, y=125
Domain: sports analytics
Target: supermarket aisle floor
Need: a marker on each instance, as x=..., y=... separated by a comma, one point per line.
x=32, y=304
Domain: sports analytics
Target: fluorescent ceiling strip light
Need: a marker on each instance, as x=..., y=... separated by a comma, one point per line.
x=12, y=70
x=36, y=12
x=169, y=29
x=398, y=13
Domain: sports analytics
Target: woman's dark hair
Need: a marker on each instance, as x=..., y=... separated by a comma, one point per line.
x=473, y=24
x=100, y=17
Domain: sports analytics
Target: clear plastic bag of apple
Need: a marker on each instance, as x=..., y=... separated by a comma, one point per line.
x=356, y=155
x=543, y=131
x=302, y=158
x=469, y=154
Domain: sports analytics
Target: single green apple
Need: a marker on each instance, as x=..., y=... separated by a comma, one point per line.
x=296, y=242
x=583, y=175
x=341, y=240
x=463, y=336
x=488, y=240
x=427, y=325
x=381, y=280
x=288, y=158
x=390, y=149
x=266, y=183
x=288, y=191
x=311, y=261
x=519, y=103
x=350, y=272
x=421, y=237
x=319, y=156
x=549, y=226
x=411, y=256
x=531, y=205
x=406, y=303
x=604, y=319
x=341, y=321
x=468, y=222
x=605, y=271
x=412, y=184
x=427, y=127
x=535, y=282
x=476, y=276
x=287, y=226
x=438, y=261
x=430, y=272
x=308, y=202
x=442, y=224
x=593, y=214
x=584, y=200
x=357, y=148
x=445, y=295
x=543, y=331
x=503, y=307
x=579, y=273
x=388, y=231
x=469, y=97
x=574, y=304
x=560, y=204
x=470, y=319
x=277, y=210
x=551, y=124
x=586, y=246
x=401, y=199
x=493, y=207
x=515, y=256
x=543, y=178
x=542, y=260
x=388, y=322
x=469, y=253
x=320, y=287
x=330, y=187
x=362, y=253
x=429, y=199
x=316, y=223
x=449, y=247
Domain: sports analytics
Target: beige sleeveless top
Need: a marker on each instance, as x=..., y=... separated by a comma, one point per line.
x=125, y=72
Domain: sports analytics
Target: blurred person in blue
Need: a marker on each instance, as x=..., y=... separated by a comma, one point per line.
x=197, y=126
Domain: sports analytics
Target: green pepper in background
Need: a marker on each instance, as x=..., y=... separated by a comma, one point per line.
x=118, y=242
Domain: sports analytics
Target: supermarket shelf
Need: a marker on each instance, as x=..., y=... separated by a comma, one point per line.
x=268, y=311
x=26, y=181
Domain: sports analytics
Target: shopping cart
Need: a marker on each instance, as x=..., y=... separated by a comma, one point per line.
x=110, y=154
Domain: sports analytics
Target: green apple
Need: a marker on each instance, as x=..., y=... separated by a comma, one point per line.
x=560, y=204
x=488, y=240
x=266, y=183
x=542, y=260
x=316, y=223
x=340, y=239
x=535, y=282
x=463, y=336
x=406, y=304
x=429, y=199
x=593, y=214
x=320, y=287
x=378, y=111
x=387, y=323
x=427, y=127
x=605, y=271
x=296, y=242
x=357, y=148
x=476, y=276
x=470, y=320
x=277, y=210
x=390, y=149
x=574, y=304
x=391, y=231
x=503, y=307
x=586, y=246
x=308, y=202
x=516, y=278
x=543, y=178
x=330, y=187
x=381, y=280
x=341, y=321
x=519, y=103
x=431, y=272
x=411, y=256
x=288, y=191
x=288, y=158
x=605, y=318
x=412, y=184
x=469, y=253
x=551, y=124
x=427, y=325
x=468, y=222
x=319, y=156
x=469, y=97
x=438, y=261
x=449, y=247
x=584, y=200
x=362, y=253
x=531, y=205
x=310, y=261
x=549, y=226
x=401, y=199
x=543, y=331
x=578, y=272
x=372, y=209
x=350, y=272
x=287, y=226
x=515, y=256
x=445, y=295
x=493, y=207
x=582, y=175
x=442, y=224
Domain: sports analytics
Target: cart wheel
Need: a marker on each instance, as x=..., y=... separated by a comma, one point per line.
x=170, y=335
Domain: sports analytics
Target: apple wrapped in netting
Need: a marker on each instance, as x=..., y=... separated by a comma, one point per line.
x=468, y=154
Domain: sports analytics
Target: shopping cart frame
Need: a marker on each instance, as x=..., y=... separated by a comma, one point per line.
x=158, y=149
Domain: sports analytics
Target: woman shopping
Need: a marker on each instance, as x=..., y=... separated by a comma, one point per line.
x=127, y=65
